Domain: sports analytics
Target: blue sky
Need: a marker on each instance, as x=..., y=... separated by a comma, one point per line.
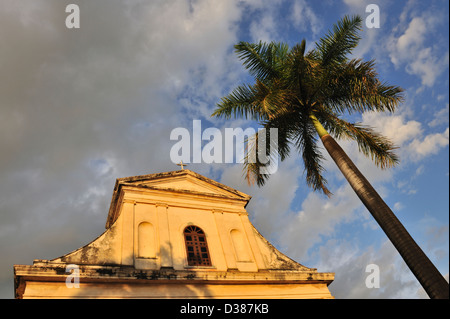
x=82, y=107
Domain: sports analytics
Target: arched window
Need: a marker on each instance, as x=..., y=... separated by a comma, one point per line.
x=196, y=247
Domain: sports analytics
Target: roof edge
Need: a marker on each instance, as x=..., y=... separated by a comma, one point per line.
x=123, y=181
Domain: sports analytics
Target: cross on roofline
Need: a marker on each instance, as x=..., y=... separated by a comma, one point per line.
x=181, y=164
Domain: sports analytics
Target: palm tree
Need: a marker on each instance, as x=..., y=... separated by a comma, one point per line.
x=307, y=94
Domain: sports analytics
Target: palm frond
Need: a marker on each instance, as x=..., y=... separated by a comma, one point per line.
x=355, y=87
x=239, y=103
x=306, y=144
x=286, y=126
x=372, y=144
x=338, y=43
x=257, y=166
x=290, y=85
x=260, y=59
x=298, y=71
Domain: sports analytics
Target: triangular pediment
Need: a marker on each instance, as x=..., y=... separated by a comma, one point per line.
x=185, y=181
x=182, y=181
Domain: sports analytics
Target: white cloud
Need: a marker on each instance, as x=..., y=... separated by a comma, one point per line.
x=303, y=17
x=409, y=136
x=72, y=93
x=440, y=117
x=349, y=262
x=412, y=38
x=427, y=66
x=318, y=217
x=430, y=144
x=409, y=47
x=264, y=29
x=355, y=3
x=396, y=127
x=267, y=26
x=82, y=107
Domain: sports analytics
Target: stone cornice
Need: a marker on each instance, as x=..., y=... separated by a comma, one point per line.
x=51, y=271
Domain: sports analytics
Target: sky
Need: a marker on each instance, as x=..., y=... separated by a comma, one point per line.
x=80, y=107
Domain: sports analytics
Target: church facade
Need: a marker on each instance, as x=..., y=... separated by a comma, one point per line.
x=173, y=235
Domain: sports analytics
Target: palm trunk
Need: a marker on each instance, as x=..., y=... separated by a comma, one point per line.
x=426, y=273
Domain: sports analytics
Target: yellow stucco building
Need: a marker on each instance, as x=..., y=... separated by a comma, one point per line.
x=173, y=235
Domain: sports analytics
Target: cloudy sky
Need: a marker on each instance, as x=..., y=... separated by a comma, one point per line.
x=82, y=107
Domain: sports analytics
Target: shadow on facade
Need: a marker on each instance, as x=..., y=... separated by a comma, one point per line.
x=126, y=281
